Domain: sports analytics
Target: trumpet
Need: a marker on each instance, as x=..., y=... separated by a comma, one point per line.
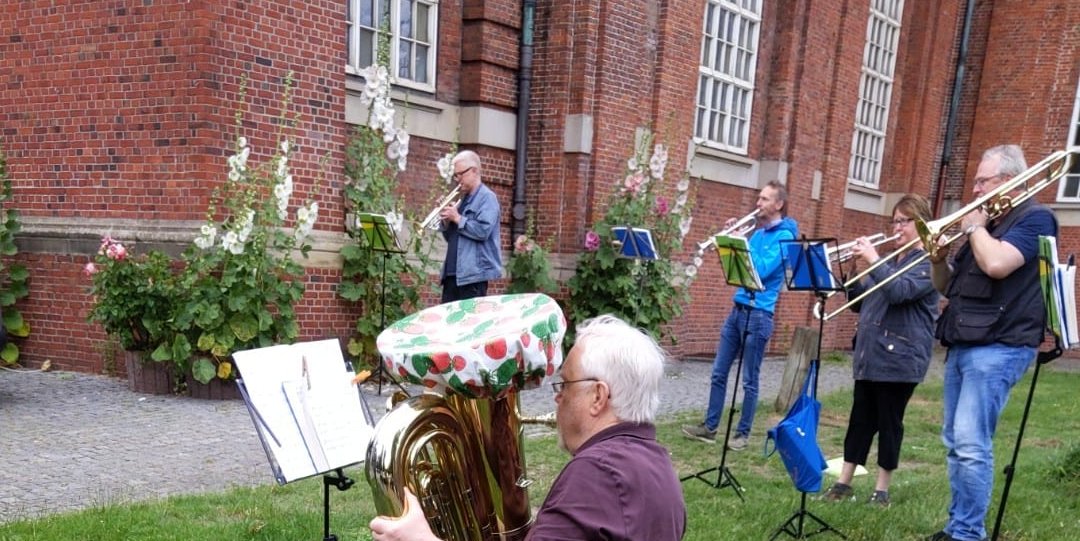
x=433, y=221
x=843, y=252
x=995, y=204
x=740, y=228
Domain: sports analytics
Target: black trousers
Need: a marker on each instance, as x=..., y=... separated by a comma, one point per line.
x=452, y=292
x=878, y=408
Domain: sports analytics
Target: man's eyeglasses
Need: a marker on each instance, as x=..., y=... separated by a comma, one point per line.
x=902, y=221
x=983, y=180
x=457, y=176
x=558, y=385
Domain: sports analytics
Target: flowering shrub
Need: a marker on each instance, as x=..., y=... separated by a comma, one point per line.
x=133, y=294
x=386, y=285
x=238, y=282
x=529, y=268
x=648, y=294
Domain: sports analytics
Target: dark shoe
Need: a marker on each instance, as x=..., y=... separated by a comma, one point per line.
x=939, y=536
x=879, y=498
x=700, y=433
x=738, y=443
x=839, y=492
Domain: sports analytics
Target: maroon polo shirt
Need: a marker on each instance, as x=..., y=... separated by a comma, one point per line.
x=620, y=485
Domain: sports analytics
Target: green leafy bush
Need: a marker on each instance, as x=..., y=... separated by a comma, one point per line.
x=134, y=295
x=648, y=294
x=530, y=268
x=14, y=278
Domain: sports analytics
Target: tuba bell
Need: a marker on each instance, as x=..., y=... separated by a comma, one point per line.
x=460, y=452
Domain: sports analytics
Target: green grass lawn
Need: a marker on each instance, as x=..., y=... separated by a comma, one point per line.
x=1044, y=503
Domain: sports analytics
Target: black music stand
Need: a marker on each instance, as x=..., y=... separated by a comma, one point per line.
x=808, y=269
x=380, y=236
x=739, y=271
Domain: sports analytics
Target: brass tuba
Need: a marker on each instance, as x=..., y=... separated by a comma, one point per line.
x=463, y=460
x=463, y=457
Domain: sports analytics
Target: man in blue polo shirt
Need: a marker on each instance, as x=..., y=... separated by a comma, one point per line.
x=993, y=326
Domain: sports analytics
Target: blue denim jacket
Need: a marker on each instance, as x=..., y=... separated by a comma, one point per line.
x=478, y=235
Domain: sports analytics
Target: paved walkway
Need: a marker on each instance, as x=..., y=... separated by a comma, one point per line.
x=71, y=441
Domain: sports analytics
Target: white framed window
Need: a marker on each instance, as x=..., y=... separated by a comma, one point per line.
x=875, y=92
x=729, y=46
x=413, y=26
x=1069, y=187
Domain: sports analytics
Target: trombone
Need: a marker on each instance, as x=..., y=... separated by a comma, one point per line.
x=740, y=228
x=432, y=221
x=995, y=203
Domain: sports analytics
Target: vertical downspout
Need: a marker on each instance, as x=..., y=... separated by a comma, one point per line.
x=517, y=225
x=954, y=105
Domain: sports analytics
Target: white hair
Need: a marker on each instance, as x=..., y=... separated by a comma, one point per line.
x=628, y=360
x=470, y=158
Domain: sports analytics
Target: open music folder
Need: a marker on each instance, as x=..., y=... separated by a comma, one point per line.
x=1059, y=292
x=305, y=407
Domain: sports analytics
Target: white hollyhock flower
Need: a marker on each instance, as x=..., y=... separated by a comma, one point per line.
x=207, y=236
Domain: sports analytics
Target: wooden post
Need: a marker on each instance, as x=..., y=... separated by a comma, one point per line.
x=803, y=348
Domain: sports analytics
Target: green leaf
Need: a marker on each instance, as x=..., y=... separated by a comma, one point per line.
x=244, y=327
x=10, y=353
x=203, y=370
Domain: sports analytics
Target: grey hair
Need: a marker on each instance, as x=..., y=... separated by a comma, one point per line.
x=470, y=158
x=1010, y=159
x=628, y=360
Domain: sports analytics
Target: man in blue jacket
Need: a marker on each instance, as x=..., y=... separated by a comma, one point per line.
x=472, y=234
x=753, y=313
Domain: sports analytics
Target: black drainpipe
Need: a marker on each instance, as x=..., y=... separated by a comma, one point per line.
x=954, y=105
x=517, y=225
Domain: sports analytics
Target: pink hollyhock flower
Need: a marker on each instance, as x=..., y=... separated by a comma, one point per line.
x=89, y=269
x=116, y=251
x=521, y=243
x=592, y=241
x=661, y=205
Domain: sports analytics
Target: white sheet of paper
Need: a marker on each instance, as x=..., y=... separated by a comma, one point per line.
x=332, y=404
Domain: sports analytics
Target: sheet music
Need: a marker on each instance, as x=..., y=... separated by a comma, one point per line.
x=317, y=429
x=1058, y=281
x=736, y=262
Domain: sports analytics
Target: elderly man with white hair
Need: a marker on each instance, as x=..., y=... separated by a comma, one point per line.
x=620, y=483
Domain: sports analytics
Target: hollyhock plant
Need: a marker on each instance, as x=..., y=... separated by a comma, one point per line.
x=648, y=293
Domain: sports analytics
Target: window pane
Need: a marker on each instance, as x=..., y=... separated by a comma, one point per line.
x=405, y=21
x=367, y=13
x=422, y=11
x=365, y=56
x=421, y=64
x=404, y=59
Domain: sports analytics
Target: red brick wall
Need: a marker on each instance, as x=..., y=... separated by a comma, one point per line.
x=125, y=111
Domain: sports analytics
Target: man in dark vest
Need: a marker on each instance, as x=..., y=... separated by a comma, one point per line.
x=993, y=326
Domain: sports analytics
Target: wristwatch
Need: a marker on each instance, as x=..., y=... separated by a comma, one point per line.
x=971, y=229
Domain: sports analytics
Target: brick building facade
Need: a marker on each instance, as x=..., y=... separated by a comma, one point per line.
x=117, y=117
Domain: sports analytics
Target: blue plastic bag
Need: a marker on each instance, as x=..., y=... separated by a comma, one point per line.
x=795, y=437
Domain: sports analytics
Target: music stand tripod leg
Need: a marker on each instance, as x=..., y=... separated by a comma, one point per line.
x=724, y=477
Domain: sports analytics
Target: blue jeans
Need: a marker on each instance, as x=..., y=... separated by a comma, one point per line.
x=977, y=384
x=759, y=329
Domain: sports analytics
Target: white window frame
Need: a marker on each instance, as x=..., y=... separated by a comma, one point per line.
x=875, y=93
x=1072, y=144
x=726, y=70
x=354, y=37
